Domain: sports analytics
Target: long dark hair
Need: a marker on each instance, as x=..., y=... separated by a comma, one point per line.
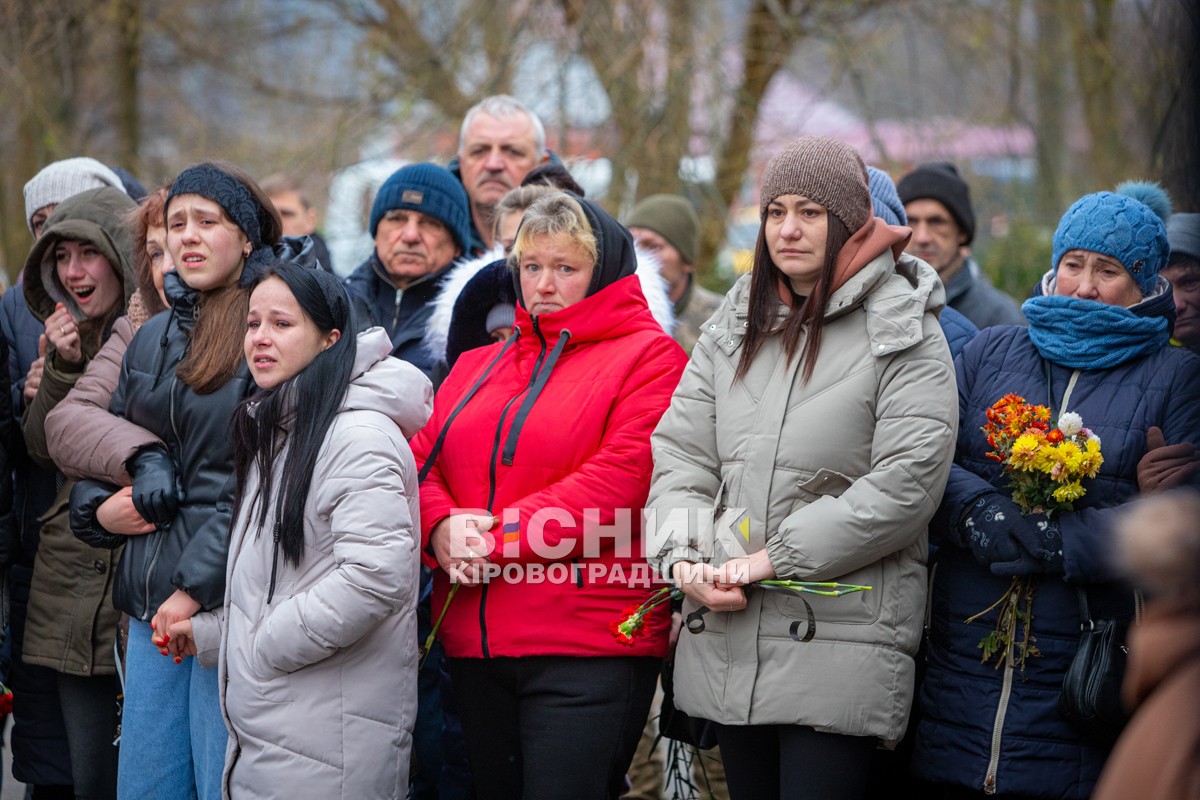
x=810, y=311
x=308, y=402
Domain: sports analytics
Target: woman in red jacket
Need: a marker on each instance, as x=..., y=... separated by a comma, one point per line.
x=536, y=465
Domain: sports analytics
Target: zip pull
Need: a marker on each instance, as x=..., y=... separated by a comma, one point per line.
x=274, y=563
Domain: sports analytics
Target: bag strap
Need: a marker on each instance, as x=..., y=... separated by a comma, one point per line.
x=1085, y=617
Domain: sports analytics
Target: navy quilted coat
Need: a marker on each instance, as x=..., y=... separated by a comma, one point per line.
x=998, y=729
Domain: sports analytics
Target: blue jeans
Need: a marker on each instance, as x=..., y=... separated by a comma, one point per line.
x=172, y=735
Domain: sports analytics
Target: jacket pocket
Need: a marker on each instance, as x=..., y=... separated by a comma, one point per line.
x=824, y=483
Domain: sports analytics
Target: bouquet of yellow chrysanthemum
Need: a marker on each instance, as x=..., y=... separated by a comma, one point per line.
x=1045, y=465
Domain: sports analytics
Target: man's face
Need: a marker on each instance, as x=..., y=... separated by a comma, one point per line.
x=670, y=262
x=936, y=237
x=297, y=219
x=411, y=245
x=1184, y=276
x=496, y=154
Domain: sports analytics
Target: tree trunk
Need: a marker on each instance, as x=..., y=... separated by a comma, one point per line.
x=128, y=19
x=766, y=47
x=1091, y=25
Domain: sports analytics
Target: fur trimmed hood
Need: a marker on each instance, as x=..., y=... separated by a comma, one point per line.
x=437, y=332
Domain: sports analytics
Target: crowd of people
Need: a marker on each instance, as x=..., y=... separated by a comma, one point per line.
x=444, y=528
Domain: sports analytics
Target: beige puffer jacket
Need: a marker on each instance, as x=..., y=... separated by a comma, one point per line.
x=319, y=687
x=840, y=478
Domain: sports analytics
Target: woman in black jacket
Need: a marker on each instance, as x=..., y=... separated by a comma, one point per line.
x=181, y=379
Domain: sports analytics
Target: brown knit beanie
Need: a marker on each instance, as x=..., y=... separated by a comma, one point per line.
x=821, y=169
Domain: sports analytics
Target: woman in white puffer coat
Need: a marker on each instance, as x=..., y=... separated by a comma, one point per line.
x=317, y=636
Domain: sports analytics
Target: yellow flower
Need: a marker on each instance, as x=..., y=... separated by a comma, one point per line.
x=1024, y=451
x=1068, y=492
x=1070, y=456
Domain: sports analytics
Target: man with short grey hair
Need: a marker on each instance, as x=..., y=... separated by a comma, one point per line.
x=500, y=141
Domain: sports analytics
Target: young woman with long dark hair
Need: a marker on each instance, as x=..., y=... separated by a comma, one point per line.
x=819, y=399
x=321, y=588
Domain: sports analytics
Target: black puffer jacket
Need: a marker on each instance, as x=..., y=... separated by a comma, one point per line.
x=190, y=553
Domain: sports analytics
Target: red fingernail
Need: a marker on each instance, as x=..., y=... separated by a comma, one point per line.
x=178, y=659
x=164, y=652
x=151, y=625
x=166, y=638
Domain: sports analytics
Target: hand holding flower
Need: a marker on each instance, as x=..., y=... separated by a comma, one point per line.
x=698, y=582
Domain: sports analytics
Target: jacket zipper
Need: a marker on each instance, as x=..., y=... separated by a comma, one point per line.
x=396, y=313
x=274, y=562
x=483, y=635
x=989, y=781
x=158, y=539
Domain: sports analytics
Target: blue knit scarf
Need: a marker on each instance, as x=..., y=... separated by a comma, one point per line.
x=1085, y=334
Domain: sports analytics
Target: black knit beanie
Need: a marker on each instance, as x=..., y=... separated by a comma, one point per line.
x=940, y=181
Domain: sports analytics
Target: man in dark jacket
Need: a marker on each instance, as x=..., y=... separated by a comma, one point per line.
x=421, y=224
x=937, y=202
x=501, y=140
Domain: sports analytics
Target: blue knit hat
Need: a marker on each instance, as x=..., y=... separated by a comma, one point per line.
x=1133, y=231
x=884, y=200
x=430, y=189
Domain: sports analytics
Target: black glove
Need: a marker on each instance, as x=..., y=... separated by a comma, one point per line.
x=1041, y=548
x=989, y=528
x=154, y=493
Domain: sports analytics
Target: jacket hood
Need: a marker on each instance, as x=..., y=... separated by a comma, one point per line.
x=437, y=331
x=388, y=385
x=894, y=289
x=95, y=216
x=615, y=257
x=475, y=286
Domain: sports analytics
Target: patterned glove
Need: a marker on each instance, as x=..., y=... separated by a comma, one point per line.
x=990, y=527
x=1041, y=548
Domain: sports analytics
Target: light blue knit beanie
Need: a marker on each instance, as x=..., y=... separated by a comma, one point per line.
x=885, y=201
x=1128, y=225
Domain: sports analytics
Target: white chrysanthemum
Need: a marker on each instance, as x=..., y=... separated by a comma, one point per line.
x=1070, y=423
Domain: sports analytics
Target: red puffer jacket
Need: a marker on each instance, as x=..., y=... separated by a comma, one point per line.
x=561, y=420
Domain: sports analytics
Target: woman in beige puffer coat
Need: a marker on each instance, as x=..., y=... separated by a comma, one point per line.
x=821, y=401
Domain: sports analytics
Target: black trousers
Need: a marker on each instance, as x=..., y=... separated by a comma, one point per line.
x=763, y=762
x=551, y=727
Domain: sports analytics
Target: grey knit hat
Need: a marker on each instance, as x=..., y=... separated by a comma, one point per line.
x=1183, y=232
x=67, y=178
x=502, y=315
x=824, y=170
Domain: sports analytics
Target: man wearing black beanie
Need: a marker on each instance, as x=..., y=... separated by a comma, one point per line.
x=937, y=202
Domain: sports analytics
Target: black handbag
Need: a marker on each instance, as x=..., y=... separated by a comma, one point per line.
x=677, y=725
x=1090, y=697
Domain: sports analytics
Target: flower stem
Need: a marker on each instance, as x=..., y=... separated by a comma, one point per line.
x=433, y=633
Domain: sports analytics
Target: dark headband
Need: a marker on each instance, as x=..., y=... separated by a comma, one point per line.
x=238, y=204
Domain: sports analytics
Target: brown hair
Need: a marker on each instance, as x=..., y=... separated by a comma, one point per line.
x=148, y=214
x=765, y=280
x=216, y=350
